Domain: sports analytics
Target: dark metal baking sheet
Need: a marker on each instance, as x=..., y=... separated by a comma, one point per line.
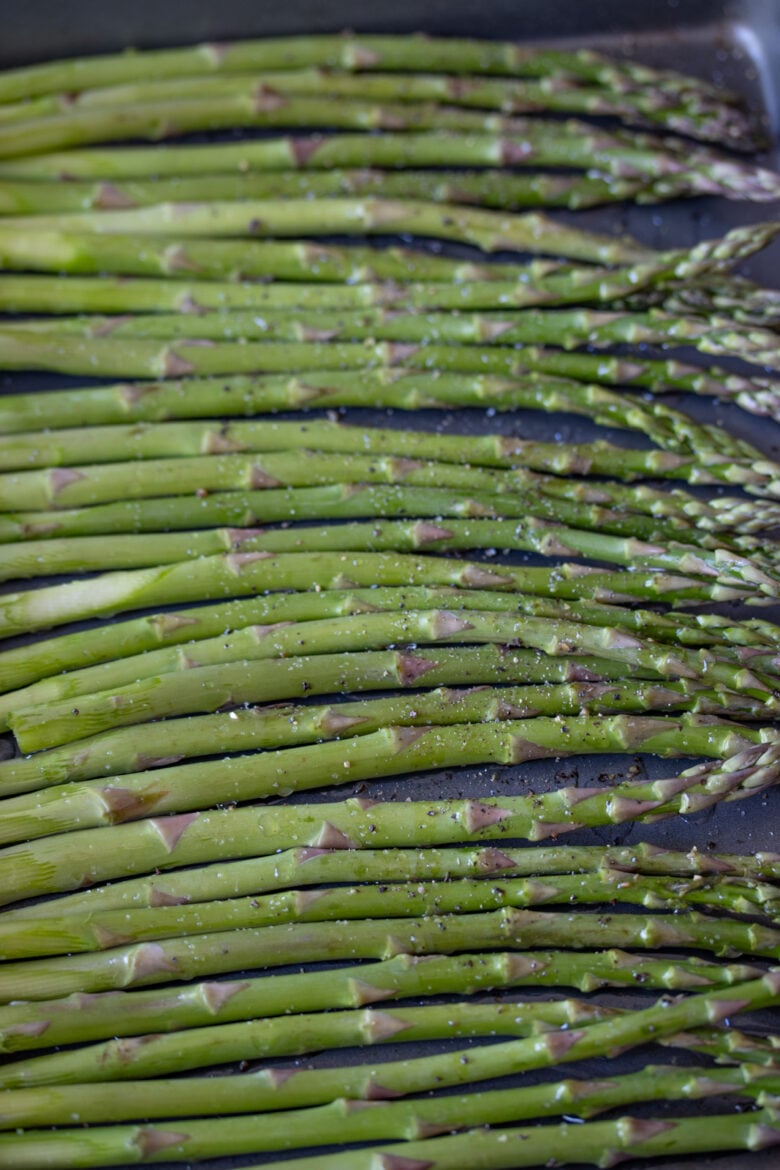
x=733, y=42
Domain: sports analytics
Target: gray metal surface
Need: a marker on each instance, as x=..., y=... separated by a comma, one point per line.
x=736, y=43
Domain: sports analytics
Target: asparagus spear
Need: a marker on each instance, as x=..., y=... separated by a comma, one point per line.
x=632, y=166
x=334, y=1123
x=128, y=551
x=71, y=934
x=79, y=445
x=165, y=111
x=675, y=515
x=222, y=952
x=308, y=261
x=548, y=537
x=546, y=282
x=320, y=655
x=669, y=428
x=545, y=627
x=158, y=1054
x=391, y=751
x=363, y=53
x=554, y=280
x=41, y=293
x=266, y=1038
x=118, y=751
x=644, y=163
x=496, y=1149
x=399, y=387
x=569, y=329
x=247, y=105
x=241, y=575
x=309, y=866
x=489, y=230
x=80, y=1019
x=80, y=859
x=272, y=1037
x=228, y=467
x=550, y=93
x=296, y=260
x=329, y=673
x=145, y=358
x=497, y=189
x=42, y=490
x=26, y=664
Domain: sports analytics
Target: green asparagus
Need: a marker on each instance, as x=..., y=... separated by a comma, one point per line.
x=80, y=859
x=313, y=866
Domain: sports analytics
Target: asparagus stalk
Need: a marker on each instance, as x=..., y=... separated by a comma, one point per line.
x=544, y=626
x=545, y=283
x=296, y=99
x=117, y=551
x=497, y=1149
x=322, y=655
x=272, y=1037
x=78, y=860
x=227, y=104
x=308, y=866
x=509, y=457
x=229, y=466
x=390, y=150
x=79, y=445
x=73, y=934
x=503, y=190
x=361, y=54
x=241, y=575
x=569, y=329
x=247, y=105
x=41, y=293
x=551, y=280
x=45, y=489
x=554, y=93
x=221, y=952
x=489, y=230
x=675, y=515
x=546, y=536
x=117, y=752
x=499, y=189
x=667, y=427
x=80, y=1019
x=338, y=1121
x=23, y=665
x=325, y=673
x=391, y=751
x=248, y=396
x=153, y=358
x=159, y=1054
x=297, y=260
x=308, y=261
x=400, y=388
x=496, y=189
x=632, y=167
